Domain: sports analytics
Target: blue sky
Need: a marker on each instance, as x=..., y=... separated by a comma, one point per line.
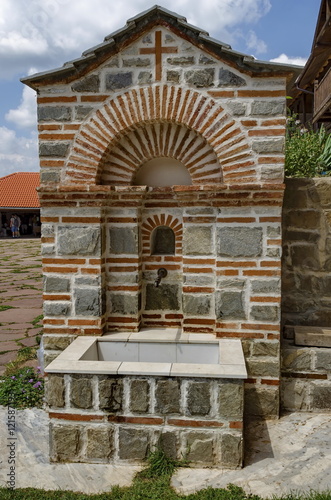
x=36, y=35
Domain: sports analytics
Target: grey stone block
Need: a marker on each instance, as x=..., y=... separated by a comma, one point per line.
x=305, y=256
x=231, y=399
x=81, y=112
x=65, y=443
x=197, y=240
x=323, y=359
x=231, y=450
x=139, y=396
x=200, y=448
x=133, y=443
x=265, y=313
x=137, y=62
x=124, y=304
x=165, y=297
x=55, y=391
x=297, y=359
x=229, y=79
x=321, y=397
x=268, y=286
x=265, y=349
x=87, y=302
x=197, y=305
x=110, y=394
x=48, y=358
x=229, y=305
x=274, y=232
x=90, y=83
x=123, y=240
x=270, y=108
x=263, y=368
x=239, y=241
x=57, y=342
x=83, y=240
x=47, y=230
x=203, y=59
x=49, y=176
x=268, y=145
x=145, y=77
x=294, y=395
x=88, y=280
x=118, y=81
x=81, y=392
x=168, y=444
x=54, y=149
x=181, y=61
x=54, y=113
x=230, y=283
x=100, y=445
x=262, y=402
x=198, y=398
x=56, y=309
x=56, y=284
x=167, y=395
x=200, y=78
x=237, y=108
x=173, y=76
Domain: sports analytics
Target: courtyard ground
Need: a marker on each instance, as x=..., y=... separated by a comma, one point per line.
x=20, y=299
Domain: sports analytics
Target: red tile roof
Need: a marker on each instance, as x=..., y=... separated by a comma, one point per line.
x=19, y=190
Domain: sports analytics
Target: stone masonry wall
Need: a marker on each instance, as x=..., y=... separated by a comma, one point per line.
x=106, y=419
x=306, y=378
x=306, y=281
x=306, y=292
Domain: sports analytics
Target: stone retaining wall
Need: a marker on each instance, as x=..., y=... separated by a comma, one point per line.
x=306, y=265
x=120, y=419
x=306, y=378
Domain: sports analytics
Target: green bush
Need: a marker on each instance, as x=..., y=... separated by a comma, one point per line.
x=22, y=389
x=307, y=152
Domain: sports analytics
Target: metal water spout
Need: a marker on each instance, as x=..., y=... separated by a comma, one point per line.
x=161, y=273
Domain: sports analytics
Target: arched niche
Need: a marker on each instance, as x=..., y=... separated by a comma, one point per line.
x=162, y=171
x=163, y=241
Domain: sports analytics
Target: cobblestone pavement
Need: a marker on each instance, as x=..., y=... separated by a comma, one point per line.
x=20, y=298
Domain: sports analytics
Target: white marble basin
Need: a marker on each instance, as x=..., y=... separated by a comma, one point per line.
x=153, y=352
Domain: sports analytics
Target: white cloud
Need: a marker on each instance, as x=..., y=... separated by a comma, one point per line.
x=25, y=116
x=17, y=154
x=284, y=59
x=254, y=44
x=46, y=33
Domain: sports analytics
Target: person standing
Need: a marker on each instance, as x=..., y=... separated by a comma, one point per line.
x=17, y=225
x=12, y=225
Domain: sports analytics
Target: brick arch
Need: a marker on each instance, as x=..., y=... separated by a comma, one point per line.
x=155, y=221
x=150, y=140
x=124, y=114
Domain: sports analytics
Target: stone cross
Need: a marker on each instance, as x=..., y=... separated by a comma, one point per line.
x=158, y=50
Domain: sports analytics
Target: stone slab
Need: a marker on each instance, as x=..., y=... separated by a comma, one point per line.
x=312, y=336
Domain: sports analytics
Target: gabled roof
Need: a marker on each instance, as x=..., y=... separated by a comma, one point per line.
x=19, y=190
x=135, y=28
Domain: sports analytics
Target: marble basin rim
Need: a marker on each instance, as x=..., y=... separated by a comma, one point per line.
x=158, y=352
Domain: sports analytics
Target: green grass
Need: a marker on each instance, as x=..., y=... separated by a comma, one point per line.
x=4, y=308
x=35, y=322
x=152, y=483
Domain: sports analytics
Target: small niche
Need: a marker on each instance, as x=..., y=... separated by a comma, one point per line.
x=160, y=172
x=163, y=241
